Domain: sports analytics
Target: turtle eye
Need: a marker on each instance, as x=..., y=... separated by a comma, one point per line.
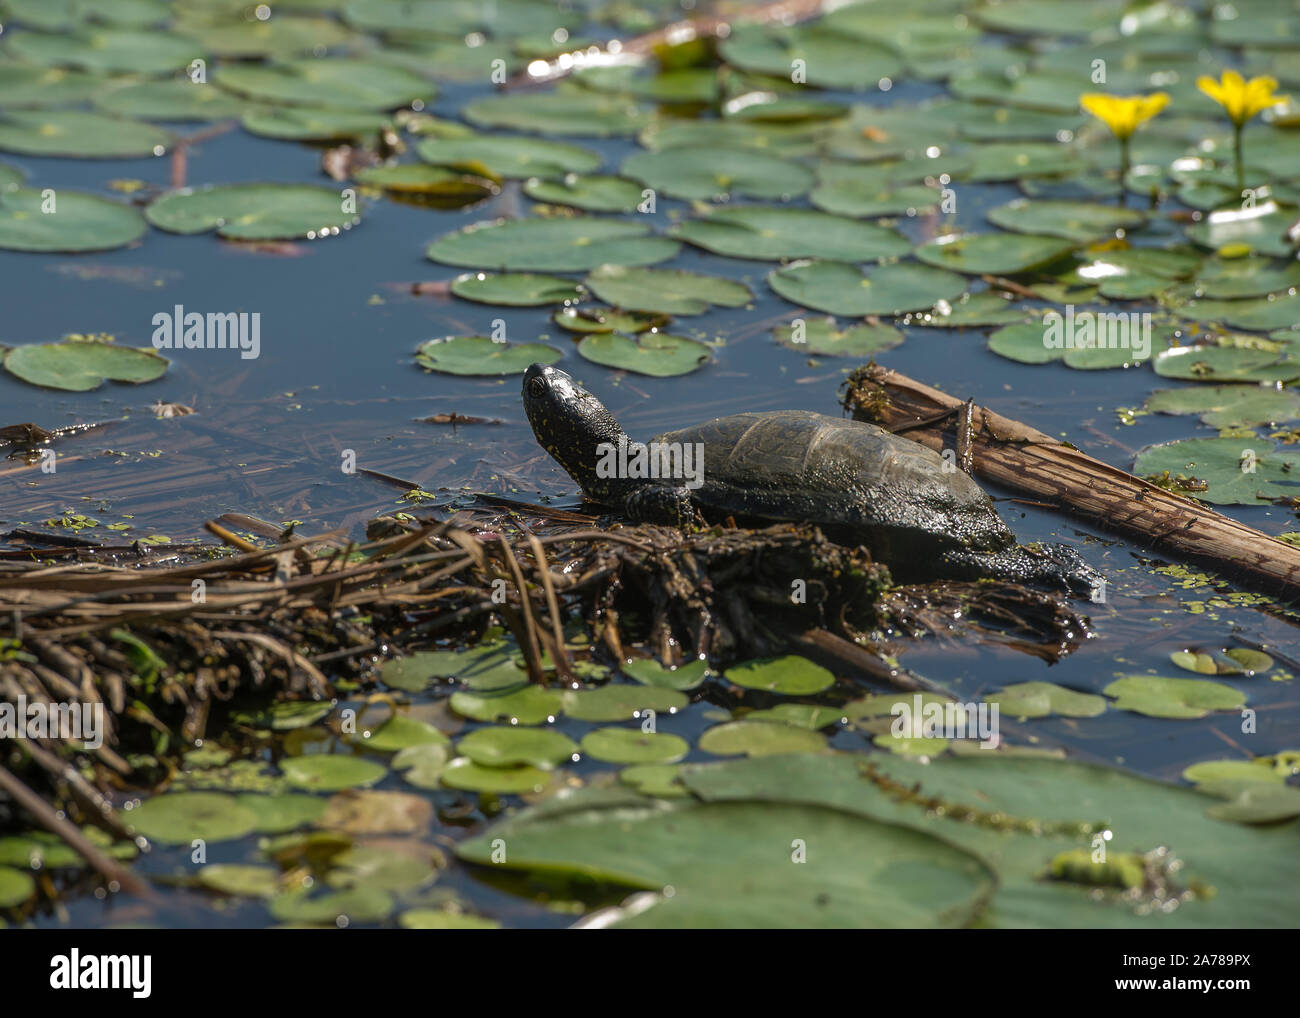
x=536, y=388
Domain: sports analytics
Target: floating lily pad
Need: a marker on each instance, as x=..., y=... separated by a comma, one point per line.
x=339, y=82
x=284, y=35
x=801, y=715
x=469, y=776
x=501, y=746
x=1021, y=160
x=1261, y=229
x=444, y=919
x=910, y=745
x=594, y=193
x=841, y=289
x=531, y=705
x=278, y=814
x=1232, y=278
x=512, y=157
x=760, y=738
x=422, y=765
x=1040, y=699
x=986, y=308
x=633, y=746
x=1160, y=697
x=620, y=702
x=851, y=189
x=106, y=49
x=1229, y=406
x=177, y=818
x=253, y=211
x=576, y=113
x=593, y=319
x=715, y=174
x=650, y=672
x=174, y=99
x=826, y=58
x=395, y=869
x=356, y=905
x=79, y=366
x=302, y=123
x=284, y=717
x=77, y=222
x=653, y=353
x=996, y=253
x=241, y=880
x=665, y=291
x=15, y=887
x=789, y=675
x=1120, y=347
x=487, y=666
x=551, y=245
x=1232, y=770
x=419, y=180
x=397, y=733
x=1237, y=471
x=1261, y=314
x=331, y=773
x=516, y=289
x=821, y=337
x=479, y=355
x=10, y=177
x=1078, y=221
x=654, y=779
x=1233, y=661
x=26, y=85
x=775, y=234
x=81, y=135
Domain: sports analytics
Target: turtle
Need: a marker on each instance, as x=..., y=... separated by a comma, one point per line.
x=861, y=485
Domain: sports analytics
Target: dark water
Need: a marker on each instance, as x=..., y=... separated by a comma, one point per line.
x=336, y=372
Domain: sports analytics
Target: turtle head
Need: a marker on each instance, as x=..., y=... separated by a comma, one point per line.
x=571, y=424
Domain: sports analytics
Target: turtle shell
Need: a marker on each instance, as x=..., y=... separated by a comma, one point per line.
x=851, y=478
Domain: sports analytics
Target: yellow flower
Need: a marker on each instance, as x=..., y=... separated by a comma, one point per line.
x=1123, y=114
x=1241, y=98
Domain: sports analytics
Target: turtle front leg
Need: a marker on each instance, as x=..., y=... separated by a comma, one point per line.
x=1053, y=565
x=662, y=503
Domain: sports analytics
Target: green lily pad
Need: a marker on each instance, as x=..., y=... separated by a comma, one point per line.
x=419, y=180
x=1219, y=462
x=253, y=211
x=331, y=773
x=10, y=177
x=304, y=123
x=469, y=776
x=1261, y=229
x=593, y=319
x=1230, y=361
x=801, y=715
x=650, y=672
x=422, y=765
x=1252, y=802
x=633, y=746
x=78, y=222
x=356, y=905
x=551, y=245
x=15, y=887
x=26, y=85
x=789, y=676
x=175, y=99
x=1160, y=697
x=285, y=717
x=531, y=705
x=659, y=780
x=760, y=738
x=279, y=814
x=106, y=49
x=443, y=919
x=1041, y=699
x=501, y=746
x=284, y=35
x=1259, y=314
x=841, y=289
x=910, y=745
x=665, y=291
x=80, y=135
x=177, y=818
x=397, y=733
x=821, y=337
x=1035, y=343
x=775, y=234
x=576, y=113
x=1232, y=770
x=1077, y=221
x=1000, y=254
x=479, y=355
x=1021, y=160
x=620, y=702
x=1229, y=406
x=716, y=174
x=977, y=309
x=594, y=192
x=652, y=353
x=487, y=666
x=511, y=157
x=828, y=59
x=851, y=189
x=241, y=880
x=1232, y=278
x=1233, y=661
x=79, y=366
x=381, y=868
x=516, y=289
x=339, y=82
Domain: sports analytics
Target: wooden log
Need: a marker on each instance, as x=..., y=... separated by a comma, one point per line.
x=1025, y=460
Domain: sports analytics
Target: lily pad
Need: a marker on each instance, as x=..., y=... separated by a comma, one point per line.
x=1233, y=661
x=1237, y=471
x=1077, y=221
x=422, y=765
x=79, y=134
x=1232, y=770
x=15, y=887
x=576, y=113
x=469, y=776
x=397, y=733
x=339, y=82
x=827, y=59
x=653, y=353
x=1260, y=314
x=789, y=676
x=175, y=99
x=508, y=156
x=79, y=366
x=241, y=880
x=253, y=211
x=851, y=189
x=501, y=746
x=601, y=319
x=279, y=814
x=26, y=85
x=665, y=291
x=621, y=702
x=126, y=50
x=1253, y=802
x=1041, y=699
x=1000, y=254
x=479, y=355
x=67, y=221
x=531, y=705
x=515, y=289
x=1229, y=406
x=356, y=905
x=303, y=123
x=444, y=919
x=331, y=773
x=594, y=192
x=650, y=672
x=760, y=738
x=1232, y=278
x=418, y=180
x=487, y=666
x=177, y=818
x=1159, y=697
x=841, y=289
x=1261, y=229
x=1230, y=361
x=767, y=233
x=551, y=245
x=633, y=746
x=716, y=174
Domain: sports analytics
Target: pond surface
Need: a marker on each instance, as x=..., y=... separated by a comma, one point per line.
x=340, y=325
